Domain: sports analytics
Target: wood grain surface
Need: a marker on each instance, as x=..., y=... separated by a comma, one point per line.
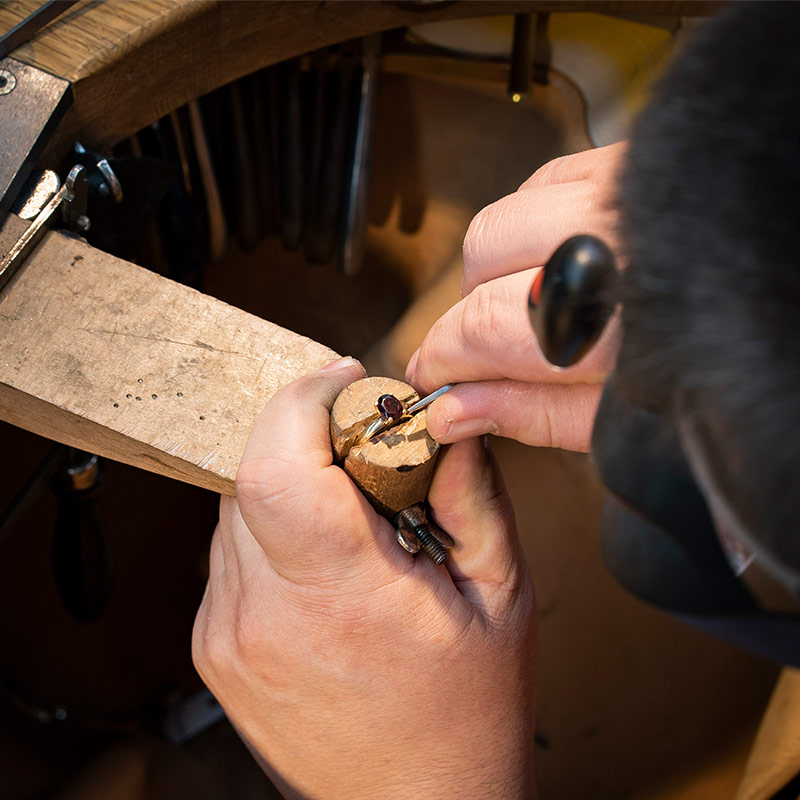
x=133, y=62
x=104, y=355
x=393, y=469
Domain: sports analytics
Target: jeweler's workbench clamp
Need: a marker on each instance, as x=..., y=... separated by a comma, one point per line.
x=32, y=103
x=68, y=201
x=45, y=202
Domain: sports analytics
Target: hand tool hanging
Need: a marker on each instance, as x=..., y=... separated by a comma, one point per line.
x=81, y=553
x=356, y=217
x=292, y=170
x=81, y=548
x=333, y=90
x=215, y=216
x=265, y=152
x=244, y=162
x=177, y=224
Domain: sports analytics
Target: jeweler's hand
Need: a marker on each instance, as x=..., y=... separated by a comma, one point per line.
x=485, y=342
x=352, y=669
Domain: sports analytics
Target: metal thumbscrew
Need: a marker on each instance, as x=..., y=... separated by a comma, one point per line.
x=7, y=81
x=414, y=534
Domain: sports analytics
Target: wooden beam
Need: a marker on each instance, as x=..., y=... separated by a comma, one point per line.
x=106, y=356
x=132, y=62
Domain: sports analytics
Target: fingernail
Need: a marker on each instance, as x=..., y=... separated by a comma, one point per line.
x=412, y=366
x=465, y=429
x=340, y=363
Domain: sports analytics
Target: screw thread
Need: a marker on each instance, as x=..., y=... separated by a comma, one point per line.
x=430, y=544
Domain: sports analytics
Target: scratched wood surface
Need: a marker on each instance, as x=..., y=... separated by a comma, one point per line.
x=131, y=62
x=104, y=355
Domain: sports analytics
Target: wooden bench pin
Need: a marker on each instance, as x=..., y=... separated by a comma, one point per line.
x=394, y=467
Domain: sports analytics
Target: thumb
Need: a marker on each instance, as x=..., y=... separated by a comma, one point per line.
x=469, y=500
x=305, y=513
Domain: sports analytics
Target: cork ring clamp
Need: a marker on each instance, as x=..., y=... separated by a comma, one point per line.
x=380, y=438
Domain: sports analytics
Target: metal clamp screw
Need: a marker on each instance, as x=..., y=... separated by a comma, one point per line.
x=414, y=534
x=7, y=81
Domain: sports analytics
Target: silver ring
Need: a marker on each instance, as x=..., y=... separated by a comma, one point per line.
x=374, y=428
x=391, y=412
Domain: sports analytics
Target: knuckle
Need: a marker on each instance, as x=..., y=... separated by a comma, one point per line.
x=549, y=423
x=478, y=320
x=248, y=634
x=268, y=482
x=199, y=652
x=479, y=236
x=257, y=658
x=252, y=479
x=552, y=172
x=433, y=351
x=514, y=607
x=497, y=500
x=210, y=655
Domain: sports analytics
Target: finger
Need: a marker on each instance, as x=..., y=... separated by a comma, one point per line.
x=596, y=164
x=541, y=415
x=304, y=405
x=306, y=515
x=488, y=336
x=468, y=499
x=523, y=229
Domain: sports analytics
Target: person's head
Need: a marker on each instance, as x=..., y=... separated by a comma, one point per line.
x=710, y=224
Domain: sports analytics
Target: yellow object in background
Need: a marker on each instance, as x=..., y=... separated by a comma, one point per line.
x=611, y=60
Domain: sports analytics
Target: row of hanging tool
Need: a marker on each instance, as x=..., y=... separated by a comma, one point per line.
x=282, y=152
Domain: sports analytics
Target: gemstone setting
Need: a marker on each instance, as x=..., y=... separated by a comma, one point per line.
x=390, y=407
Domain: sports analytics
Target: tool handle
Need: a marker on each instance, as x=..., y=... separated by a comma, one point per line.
x=81, y=553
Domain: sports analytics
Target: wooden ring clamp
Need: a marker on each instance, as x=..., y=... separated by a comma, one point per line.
x=394, y=469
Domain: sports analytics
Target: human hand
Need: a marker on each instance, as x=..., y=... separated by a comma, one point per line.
x=485, y=343
x=352, y=669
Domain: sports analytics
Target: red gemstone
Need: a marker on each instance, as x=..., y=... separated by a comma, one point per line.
x=390, y=407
